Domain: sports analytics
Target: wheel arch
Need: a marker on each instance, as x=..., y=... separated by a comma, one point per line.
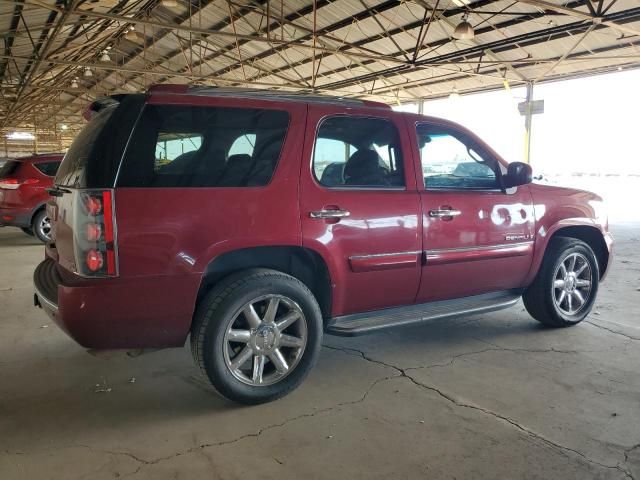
x=593, y=237
x=305, y=264
x=37, y=210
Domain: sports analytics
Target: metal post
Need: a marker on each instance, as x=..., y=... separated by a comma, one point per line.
x=527, y=123
x=421, y=106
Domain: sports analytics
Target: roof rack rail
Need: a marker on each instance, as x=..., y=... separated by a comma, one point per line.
x=263, y=94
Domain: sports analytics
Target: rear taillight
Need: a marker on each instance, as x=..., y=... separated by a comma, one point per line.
x=14, y=183
x=95, y=242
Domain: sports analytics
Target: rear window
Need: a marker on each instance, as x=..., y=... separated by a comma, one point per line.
x=48, y=168
x=72, y=171
x=8, y=168
x=194, y=146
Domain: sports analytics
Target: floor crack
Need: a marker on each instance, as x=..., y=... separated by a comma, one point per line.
x=203, y=446
x=563, y=449
x=630, y=337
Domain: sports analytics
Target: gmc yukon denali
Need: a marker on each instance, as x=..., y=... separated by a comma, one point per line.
x=255, y=221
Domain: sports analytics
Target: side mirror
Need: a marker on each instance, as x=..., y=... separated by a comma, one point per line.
x=518, y=173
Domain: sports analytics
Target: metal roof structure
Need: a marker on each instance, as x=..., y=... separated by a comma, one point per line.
x=59, y=55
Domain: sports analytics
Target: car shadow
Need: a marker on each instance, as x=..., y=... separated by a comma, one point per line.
x=14, y=237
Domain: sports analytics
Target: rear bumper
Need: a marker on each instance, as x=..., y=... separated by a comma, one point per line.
x=15, y=218
x=143, y=312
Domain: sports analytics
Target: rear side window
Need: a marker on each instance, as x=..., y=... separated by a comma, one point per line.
x=358, y=152
x=194, y=146
x=48, y=168
x=8, y=168
x=72, y=172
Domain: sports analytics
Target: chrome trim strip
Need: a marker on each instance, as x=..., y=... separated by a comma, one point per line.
x=378, y=255
x=482, y=248
x=44, y=301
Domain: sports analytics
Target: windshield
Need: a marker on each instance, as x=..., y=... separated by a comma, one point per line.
x=72, y=171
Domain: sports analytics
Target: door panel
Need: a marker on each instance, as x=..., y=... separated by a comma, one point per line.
x=488, y=247
x=373, y=247
x=477, y=238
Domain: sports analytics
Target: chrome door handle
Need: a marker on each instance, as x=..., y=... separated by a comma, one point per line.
x=329, y=214
x=444, y=213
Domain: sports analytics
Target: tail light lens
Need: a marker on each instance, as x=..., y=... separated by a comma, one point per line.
x=95, y=242
x=14, y=183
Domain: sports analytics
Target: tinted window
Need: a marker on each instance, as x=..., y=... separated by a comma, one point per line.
x=72, y=171
x=48, y=168
x=452, y=161
x=8, y=168
x=358, y=152
x=189, y=146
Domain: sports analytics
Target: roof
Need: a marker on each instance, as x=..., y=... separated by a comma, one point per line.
x=262, y=94
x=384, y=50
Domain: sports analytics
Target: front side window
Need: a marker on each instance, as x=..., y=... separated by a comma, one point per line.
x=452, y=161
x=192, y=146
x=358, y=152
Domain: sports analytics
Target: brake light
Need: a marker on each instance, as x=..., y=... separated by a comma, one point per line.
x=9, y=183
x=14, y=183
x=94, y=232
x=92, y=204
x=95, y=260
x=95, y=240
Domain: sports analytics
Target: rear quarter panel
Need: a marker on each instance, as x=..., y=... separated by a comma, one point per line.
x=168, y=236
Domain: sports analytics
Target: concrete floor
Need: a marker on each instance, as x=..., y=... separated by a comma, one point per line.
x=493, y=396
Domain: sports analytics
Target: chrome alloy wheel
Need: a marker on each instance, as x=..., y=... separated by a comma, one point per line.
x=265, y=340
x=45, y=227
x=572, y=284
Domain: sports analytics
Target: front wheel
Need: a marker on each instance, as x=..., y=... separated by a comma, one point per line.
x=41, y=226
x=565, y=288
x=257, y=335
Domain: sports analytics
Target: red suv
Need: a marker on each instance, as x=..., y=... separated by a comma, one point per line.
x=23, y=195
x=256, y=221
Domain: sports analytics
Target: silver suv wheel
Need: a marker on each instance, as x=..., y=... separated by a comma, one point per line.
x=572, y=283
x=265, y=340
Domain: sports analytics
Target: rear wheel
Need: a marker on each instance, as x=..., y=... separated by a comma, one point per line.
x=41, y=226
x=28, y=231
x=565, y=288
x=257, y=335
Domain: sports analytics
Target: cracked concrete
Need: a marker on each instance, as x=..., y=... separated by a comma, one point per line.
x=491, y=396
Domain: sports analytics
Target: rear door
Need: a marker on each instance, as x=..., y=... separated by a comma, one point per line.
x=360, y=208
x=477, y=237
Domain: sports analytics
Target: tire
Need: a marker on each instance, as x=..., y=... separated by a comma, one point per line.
x=218, y=349
x=41, y=226
x=28, y=231
x=545, y=300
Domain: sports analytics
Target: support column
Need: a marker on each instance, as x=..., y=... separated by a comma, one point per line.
x=528, y=116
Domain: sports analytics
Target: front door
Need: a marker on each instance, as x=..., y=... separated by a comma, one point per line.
x=360, y=208
x=478, y=238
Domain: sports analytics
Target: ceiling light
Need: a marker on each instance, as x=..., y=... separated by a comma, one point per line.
x=74, y=83
x=169, y=3
x=87, y=72
x=64, y=127
x=464, y=30
x=131, y=34
x=105, y=57
x=21, y=136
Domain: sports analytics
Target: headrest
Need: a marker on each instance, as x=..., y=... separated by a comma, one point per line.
x=362, y=161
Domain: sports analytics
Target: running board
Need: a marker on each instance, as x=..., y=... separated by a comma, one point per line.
x=360, y=323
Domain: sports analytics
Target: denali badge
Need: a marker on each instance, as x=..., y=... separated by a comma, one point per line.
x=518, y=237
